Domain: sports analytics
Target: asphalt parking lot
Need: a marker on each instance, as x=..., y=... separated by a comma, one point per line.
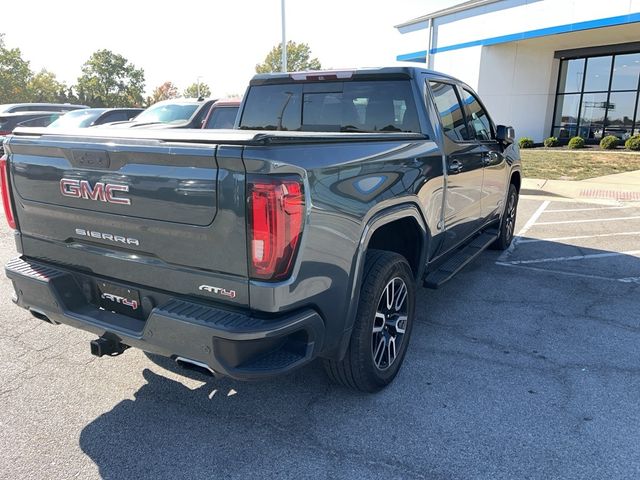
x=524, y=366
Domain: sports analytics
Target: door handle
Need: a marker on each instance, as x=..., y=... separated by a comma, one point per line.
x=455, y=166
x=489, y=158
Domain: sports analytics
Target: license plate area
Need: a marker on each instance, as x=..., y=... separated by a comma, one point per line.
x=119, y=299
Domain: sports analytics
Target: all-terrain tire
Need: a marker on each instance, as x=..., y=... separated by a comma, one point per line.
x=508, y=222
x=364, y=367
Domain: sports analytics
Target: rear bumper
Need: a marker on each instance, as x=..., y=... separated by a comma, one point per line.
x=238, y=345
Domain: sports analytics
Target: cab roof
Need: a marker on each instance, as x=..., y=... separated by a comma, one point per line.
x=399, y=71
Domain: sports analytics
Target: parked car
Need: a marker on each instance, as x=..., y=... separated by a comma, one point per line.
x=306, y=238
x=91, y=117
x=9, y=121
x=39, y=107
x=623, y=133
x=175, y=113
x=222, y=114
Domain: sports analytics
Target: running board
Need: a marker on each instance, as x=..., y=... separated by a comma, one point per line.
x=462, y=257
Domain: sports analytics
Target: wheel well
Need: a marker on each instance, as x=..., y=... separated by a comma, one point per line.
x=402, y=236
x=516, y=180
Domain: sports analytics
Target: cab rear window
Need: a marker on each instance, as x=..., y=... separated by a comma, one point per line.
x=357, y=106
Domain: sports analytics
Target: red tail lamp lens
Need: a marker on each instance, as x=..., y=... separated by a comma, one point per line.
x=6, y=199
x=276, y=213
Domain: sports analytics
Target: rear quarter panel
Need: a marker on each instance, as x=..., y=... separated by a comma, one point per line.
x=346, y=184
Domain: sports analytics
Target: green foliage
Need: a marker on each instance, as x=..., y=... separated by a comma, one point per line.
x=551, y=142
x=576, y=142
x=525, y=142
x=166, y=91
x=45, y=87
x=298, y=59
x=633, y=143
x=15, y=74
x=192, y=91
x=110, y=80
x=609, y=142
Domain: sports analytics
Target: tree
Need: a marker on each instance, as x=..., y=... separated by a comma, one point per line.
x=15, y=74
x=45, y=87
x=110, y=80
x=192, y=90
x=166, y=91
x=298, y=59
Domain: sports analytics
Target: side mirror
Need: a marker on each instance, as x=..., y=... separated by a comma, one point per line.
x=505, y=134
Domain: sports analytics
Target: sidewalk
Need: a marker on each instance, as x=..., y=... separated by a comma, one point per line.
x=617, y=187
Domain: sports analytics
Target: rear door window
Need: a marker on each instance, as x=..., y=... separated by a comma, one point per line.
x=4, y=125
x=356, y=106
x=222, y=117
x=450, y=112
x=120, y=116
x=477, y=118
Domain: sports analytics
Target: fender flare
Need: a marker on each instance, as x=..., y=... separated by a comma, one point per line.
x=379, y=219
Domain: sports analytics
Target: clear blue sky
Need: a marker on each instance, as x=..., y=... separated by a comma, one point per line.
x=221, y=41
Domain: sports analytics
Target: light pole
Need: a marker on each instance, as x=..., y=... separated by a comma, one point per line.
x=284, y=39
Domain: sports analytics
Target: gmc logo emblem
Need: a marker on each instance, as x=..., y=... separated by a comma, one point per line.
x=102, y=192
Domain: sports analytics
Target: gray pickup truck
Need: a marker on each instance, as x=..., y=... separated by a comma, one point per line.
x=303, y=233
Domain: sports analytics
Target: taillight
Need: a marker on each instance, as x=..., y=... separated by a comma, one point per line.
x=4, y=132
x=276, y=213
x=6, y=200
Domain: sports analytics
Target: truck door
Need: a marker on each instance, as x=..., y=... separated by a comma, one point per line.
x=496, y=171
x=464, y=165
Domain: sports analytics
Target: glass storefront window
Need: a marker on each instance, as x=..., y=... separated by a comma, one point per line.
x=626, y=72
x=620, y=114
x=571, y=73
x=598, y=73
x=598, y=96
x=564, y=133
x=594, y=106
x=567, y=110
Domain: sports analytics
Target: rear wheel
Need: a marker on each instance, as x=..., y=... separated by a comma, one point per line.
x=508, y=223
x=382, y=327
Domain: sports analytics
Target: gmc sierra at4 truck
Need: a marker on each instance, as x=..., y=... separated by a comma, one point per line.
x=302, y=233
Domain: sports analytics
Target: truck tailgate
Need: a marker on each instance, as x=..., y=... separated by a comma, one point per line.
x=155, y=213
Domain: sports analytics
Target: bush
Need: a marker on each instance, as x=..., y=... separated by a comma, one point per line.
x=551, y=142
x=633, y=143
x=525, y=142
x=576, y=142
x=609, y=142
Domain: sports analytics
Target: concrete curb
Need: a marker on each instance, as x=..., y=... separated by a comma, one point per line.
x=617, y=190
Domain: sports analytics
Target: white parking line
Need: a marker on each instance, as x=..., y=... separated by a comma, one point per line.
x=587, y=209
x=532, y=219
x=568, y=274
x=574, y=257
x=590, y=220
x=571, y=274
x=556, y=239
x=630, y=280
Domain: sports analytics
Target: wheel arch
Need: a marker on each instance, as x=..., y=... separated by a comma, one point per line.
x=376, y=228
x=516, y=179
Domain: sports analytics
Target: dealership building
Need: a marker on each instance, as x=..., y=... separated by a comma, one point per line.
x=547, y=67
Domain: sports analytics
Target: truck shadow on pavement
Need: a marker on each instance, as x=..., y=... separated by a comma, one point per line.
x=224, y=429
x=538, y=359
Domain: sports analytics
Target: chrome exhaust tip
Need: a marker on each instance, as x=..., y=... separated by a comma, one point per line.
x=195, y=365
